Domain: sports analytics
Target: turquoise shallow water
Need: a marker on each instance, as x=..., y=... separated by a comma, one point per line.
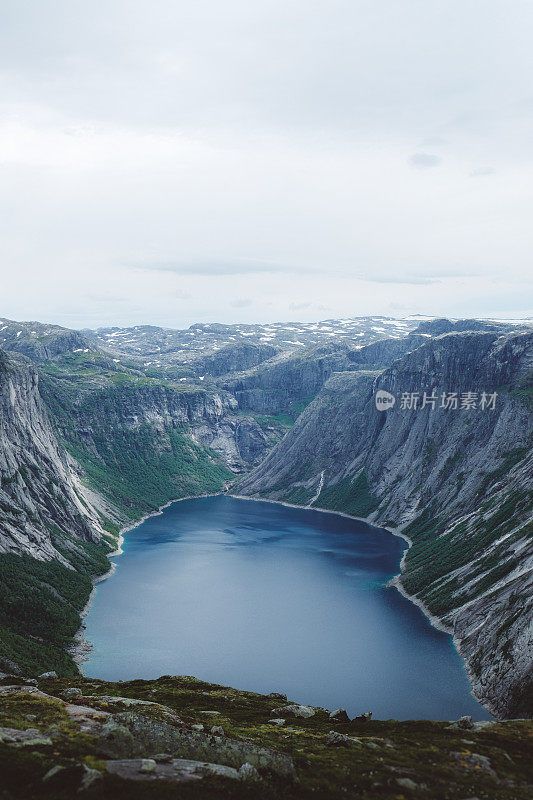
x=268, y=598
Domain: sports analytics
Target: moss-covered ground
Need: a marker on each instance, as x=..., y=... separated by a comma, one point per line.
x=389, y=759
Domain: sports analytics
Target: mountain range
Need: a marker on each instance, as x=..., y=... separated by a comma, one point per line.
x=101, y=428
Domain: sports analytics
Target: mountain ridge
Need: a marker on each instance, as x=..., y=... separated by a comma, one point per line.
x=132, y=437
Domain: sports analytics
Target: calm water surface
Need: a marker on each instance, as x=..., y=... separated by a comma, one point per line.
x=267, y=598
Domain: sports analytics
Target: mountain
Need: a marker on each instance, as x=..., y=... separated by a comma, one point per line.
x=39, y=341
x=293, y=378
x=458, y=483
x=100, y=428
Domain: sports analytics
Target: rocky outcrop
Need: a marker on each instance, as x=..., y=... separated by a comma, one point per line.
x=207, y=417
x=436, y=327
x=289, y=379
x=456, y=481
x=40, y=487
x=110, y=746
x=235, y=358
x=38, y=341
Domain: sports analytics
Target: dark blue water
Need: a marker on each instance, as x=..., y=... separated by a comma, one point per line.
x=268, y=598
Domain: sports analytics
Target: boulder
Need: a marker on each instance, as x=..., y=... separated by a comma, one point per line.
x=473, y=761
x=277, y=696
x=71, y=692
x=295, y=711
x=179, y=770
x=462, y=724
x=47, y=675
x=52, y=772
x=249, y=773
x=89, y=777
x=116, y=739
x=339, y=715
x=336, y=739
x=407, y=783
x=366, y=717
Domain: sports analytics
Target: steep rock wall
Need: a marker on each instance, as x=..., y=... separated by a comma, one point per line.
x=457, y=482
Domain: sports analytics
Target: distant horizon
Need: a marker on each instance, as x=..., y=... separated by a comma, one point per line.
x=287, y=321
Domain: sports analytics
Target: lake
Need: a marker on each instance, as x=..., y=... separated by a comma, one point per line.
x=263, y=597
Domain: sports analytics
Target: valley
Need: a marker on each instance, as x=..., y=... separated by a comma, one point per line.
x=101, y=428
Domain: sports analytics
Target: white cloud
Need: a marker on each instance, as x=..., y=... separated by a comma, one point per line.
x=424, y=160
x=174, y=160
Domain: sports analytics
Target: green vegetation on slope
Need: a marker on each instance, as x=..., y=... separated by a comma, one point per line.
x=352, y=496
x=386, y=759
x=432, y=556
x=40, y=603
x=140, y=470
x=137, y=467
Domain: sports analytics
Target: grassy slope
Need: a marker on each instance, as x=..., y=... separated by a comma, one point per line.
x=436, y=761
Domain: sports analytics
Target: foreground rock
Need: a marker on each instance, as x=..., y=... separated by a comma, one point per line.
x=295, y=711
x=144, y=740
x=179, y=770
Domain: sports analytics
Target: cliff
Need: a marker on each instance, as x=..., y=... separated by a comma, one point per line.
x=40, y=488
x=290, y=379
x=88, y=446
x=456, y=482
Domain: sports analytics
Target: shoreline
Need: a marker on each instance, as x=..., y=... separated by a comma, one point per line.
x=81, y=647
x=395, y=581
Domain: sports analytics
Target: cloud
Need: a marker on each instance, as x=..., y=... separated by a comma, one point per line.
x=433, y=141
x=299, y=306
x=424, y=160
x=482, y=171
x=278, y=152
x=414, y=280
x=241, y=302
x=104, y=297
x=209, y=267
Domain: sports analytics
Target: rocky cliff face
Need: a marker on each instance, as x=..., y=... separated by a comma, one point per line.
x=288, y=379
x=38, y=341
x=456, y=481
x=87, y=447
x=40, y=489
x=113, y=431
x=235, y=358
x=208, y=418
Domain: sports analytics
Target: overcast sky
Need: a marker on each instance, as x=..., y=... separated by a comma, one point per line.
x=173, y=161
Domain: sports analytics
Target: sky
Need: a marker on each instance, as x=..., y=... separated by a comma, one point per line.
x=172, y=162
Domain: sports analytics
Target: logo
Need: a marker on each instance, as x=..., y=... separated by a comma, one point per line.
x=384, y=400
